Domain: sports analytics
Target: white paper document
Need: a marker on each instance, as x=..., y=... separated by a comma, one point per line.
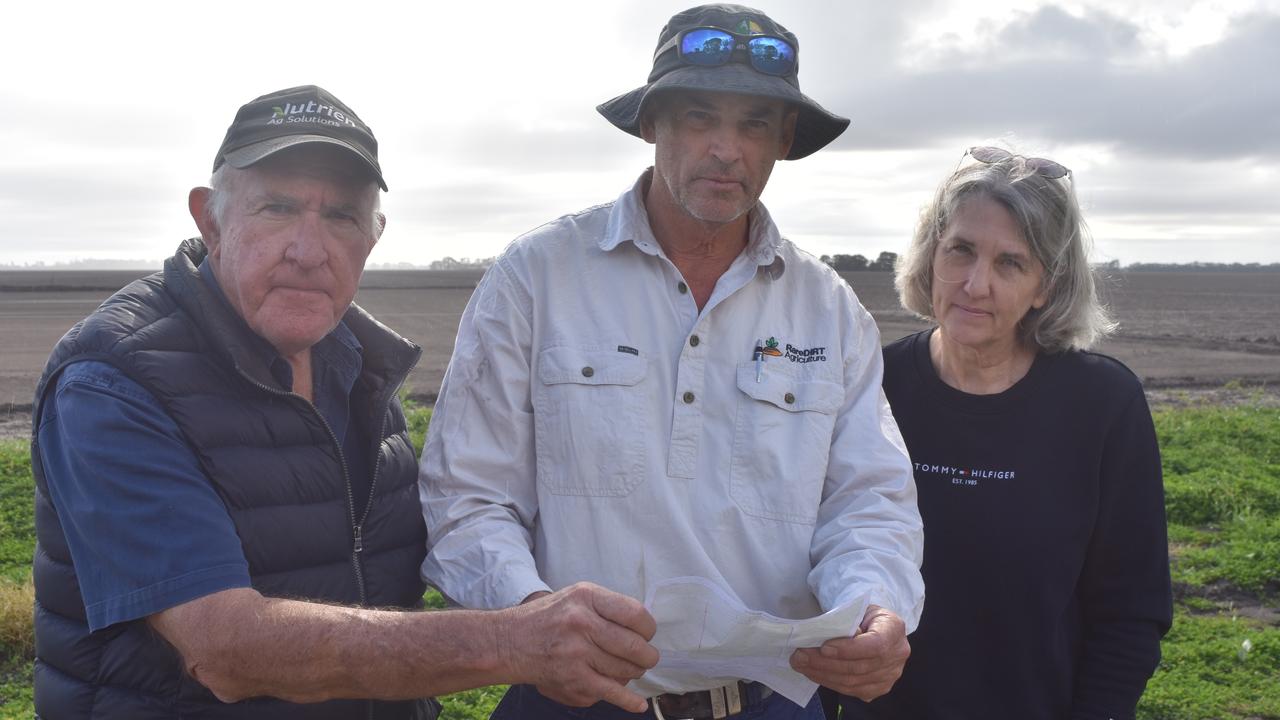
x=707, y=638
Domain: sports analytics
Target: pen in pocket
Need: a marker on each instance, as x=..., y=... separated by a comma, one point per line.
x=758, y=356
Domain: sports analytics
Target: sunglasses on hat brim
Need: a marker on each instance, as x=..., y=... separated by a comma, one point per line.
x=713, y=46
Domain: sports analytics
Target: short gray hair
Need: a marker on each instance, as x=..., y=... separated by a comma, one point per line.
x=215, y=208
x=1048, y=216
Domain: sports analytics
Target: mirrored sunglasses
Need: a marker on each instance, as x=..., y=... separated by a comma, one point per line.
x=1043, y=167
x=711, y=47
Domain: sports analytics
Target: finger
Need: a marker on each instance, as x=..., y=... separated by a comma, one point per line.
x=619, y=669
x=884, y=621
x=625, y=611
x=621, y=642
x=808, y=661
x=843, y=647
x=865, y=686
x=865, y=646
x=841, y=681
x=625, y=699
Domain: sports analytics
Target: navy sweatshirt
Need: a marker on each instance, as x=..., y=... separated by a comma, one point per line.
x=1046, y=562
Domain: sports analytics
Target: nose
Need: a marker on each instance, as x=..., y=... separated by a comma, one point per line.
x=978, y=283
x=725, y=144
x=306, y=247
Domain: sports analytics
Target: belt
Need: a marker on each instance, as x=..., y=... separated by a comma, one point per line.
x=720, y=702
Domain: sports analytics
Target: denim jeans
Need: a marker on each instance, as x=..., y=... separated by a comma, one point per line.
x=524, y=702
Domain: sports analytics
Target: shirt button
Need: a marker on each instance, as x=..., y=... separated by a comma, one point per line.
x=688, y=397
x=682, y=287
x=789, y=398
x=693, y=341
x=588, y=371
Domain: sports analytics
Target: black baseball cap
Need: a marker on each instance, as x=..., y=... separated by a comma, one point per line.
x=285, y=118
x=815, y=127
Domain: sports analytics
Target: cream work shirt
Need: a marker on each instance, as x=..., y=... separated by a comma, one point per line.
x=594, y=425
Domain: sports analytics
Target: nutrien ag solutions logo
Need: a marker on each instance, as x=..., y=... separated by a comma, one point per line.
x=309, y=112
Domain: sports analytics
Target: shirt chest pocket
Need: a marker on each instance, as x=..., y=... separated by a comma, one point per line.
x=589, y=421
x=781, y=442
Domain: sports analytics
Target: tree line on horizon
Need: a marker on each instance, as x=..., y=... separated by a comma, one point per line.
x=854, y=263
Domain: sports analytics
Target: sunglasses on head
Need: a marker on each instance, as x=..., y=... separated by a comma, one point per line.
x=1043, y=167
x=712, y=47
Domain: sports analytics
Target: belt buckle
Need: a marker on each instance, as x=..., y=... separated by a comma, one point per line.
x=726, y=700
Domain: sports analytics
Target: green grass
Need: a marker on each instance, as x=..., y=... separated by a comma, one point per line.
x=16, y=545
x=1222, y=494
x=17, y=528
x=1222, y=487
x=1205, y=673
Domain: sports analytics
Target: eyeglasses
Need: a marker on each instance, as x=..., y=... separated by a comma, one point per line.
x=1043, y=167
x=712, y=47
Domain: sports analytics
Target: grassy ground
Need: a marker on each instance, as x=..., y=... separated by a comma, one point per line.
x=1222, y=485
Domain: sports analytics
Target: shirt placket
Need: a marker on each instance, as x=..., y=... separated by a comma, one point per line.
x=690, y=380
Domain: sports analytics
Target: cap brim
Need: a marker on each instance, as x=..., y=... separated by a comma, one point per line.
x=251, y=154
x=816, y=127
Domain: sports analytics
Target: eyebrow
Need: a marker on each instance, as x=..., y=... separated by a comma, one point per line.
x=278, y=197
x=962, y=240
x=762, y=111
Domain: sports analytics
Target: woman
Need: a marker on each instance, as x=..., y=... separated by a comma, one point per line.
x=1045, y=564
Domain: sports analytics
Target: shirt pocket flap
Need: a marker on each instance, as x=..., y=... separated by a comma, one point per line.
x=790, y=393
x=583, y=366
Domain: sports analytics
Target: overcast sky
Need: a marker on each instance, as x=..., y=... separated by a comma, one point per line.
x=1167, y=111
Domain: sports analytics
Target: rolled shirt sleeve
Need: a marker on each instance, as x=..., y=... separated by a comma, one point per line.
x=145, y=528
x=477, y=481
x=868, y=536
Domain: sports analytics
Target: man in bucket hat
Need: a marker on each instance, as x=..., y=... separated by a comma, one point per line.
x=225, y=484
x=664, y=387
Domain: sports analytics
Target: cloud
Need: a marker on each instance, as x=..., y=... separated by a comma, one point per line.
x=1061, y=78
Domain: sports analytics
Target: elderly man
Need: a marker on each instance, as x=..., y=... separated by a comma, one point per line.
x=665, y=387
x=225, y=484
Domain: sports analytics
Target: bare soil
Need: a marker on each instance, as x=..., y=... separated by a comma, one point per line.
x=1193, y=337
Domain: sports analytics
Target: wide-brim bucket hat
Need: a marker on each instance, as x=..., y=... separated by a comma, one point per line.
x=816, y=126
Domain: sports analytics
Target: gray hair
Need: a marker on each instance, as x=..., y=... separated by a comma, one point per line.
x=1048, y=216
x=220, y=197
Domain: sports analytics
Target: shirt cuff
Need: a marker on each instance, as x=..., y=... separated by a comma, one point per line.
x=518, y=582
x=165, y=594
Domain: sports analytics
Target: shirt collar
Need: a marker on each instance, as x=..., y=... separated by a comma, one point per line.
x=629, y=222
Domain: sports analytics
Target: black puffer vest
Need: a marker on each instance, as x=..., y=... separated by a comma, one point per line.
x=277, y=466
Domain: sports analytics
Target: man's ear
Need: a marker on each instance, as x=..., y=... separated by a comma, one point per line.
x=379, y=226
x=198, y=205
x=647, y=130
x=788, y=133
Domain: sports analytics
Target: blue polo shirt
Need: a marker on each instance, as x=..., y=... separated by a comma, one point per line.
x=146, y=529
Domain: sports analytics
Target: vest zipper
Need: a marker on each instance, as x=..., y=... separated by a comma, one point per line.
x=385, y=407
x=357, y=542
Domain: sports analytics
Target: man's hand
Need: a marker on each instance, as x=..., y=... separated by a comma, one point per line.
x=582, y=644
x=864, y=666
